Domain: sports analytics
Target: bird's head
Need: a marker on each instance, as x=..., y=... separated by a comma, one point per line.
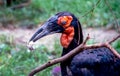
x=63, y=22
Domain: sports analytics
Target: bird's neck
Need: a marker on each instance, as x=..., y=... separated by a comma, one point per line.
x=77, y=39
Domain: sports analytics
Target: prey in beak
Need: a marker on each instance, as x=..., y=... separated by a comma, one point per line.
x=49, y=27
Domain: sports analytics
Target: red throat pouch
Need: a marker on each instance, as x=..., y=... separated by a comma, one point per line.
x=67, y=36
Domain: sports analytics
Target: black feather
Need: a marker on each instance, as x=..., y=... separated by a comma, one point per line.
x=95, y=62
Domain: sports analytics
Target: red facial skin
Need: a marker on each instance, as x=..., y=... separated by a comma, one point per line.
x=68, y=34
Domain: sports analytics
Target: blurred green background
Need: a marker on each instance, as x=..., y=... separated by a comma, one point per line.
x=16, y=60
x=89, y=12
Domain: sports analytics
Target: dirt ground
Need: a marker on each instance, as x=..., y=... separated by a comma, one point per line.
x=22, y=36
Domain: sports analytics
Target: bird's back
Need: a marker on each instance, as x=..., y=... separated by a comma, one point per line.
x=95, y=62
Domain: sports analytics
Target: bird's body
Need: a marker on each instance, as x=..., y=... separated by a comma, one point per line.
x=95, y=62
x=90, y=62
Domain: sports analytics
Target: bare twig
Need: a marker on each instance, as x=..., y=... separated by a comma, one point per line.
x=74, y=52
x=114, y=39
x=106, y=44
x=117, y=25
x=87, y=38
x=92, y=8
x=113, y=50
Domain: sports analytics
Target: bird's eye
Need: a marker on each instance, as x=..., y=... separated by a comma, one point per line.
x=63, y=22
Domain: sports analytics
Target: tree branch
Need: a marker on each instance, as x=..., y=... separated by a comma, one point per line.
x=111, y=41
x=74, y=52
x=58, y=60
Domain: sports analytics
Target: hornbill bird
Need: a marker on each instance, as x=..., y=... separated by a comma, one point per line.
x=90, y=62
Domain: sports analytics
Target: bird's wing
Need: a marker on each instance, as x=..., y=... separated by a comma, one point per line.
x=95, y=62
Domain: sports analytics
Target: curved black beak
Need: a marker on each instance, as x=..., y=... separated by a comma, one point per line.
x=46, y=29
